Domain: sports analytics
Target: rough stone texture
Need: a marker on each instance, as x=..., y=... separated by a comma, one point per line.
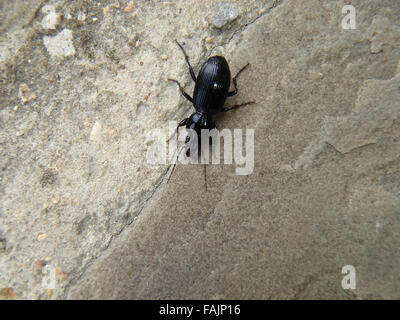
x=77, y=193
x=61, y=45
x=225, y=14
x=52, y=18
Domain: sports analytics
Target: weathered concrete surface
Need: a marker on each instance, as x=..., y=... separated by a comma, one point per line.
x=324, y=192
x=81, y=84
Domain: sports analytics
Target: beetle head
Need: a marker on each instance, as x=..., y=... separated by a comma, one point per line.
x=197, y=122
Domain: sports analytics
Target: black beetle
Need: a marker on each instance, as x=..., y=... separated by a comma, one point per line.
x=210, y=93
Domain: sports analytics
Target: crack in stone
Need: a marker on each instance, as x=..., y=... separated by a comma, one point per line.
x=334, y=148
x=351, y=150
x=35, y=14
x=240, y=30
x=138, y=212
x=275, y=4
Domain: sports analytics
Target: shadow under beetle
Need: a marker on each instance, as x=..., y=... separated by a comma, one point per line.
x=209, y=95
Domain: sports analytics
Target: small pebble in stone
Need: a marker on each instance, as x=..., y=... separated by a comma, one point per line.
x=39, y=264
x=7, y=294
x=42, y=236
x=56, y=199
x=95, y=134
x=129, y=7
x=26, y=94
x=60, y=45
x=81, y=16
x=210, y=40
x=106, y=10
x=226, y=13
x=147, y=96
x=52, y=18
x=110, y=132
x=61, y=275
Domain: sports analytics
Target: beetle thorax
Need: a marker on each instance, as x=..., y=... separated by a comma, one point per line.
x=198, y=121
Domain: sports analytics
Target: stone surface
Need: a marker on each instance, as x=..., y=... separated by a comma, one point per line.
x=226, y=13
x=52, y=18
x=325, y=189
x=61, y=45
x=26, y=94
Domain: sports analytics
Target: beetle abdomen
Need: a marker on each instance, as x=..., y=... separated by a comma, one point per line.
x=212, y=85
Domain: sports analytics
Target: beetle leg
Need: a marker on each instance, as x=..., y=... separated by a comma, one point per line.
x=238, y=105
x=232, y=93
x=187, y=61
x=181, y=124
x=182, y=90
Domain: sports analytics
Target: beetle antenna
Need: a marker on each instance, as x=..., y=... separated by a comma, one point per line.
x=205, y=176
x=176, y=160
